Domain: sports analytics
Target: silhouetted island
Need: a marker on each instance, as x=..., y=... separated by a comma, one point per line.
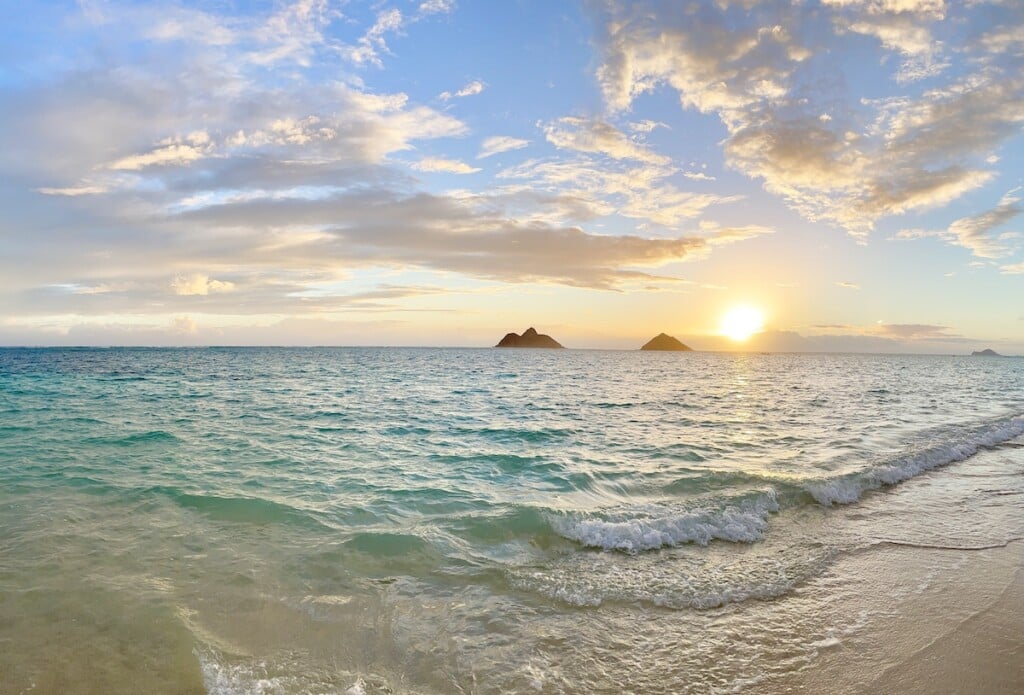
x=529, y=339
x=989, y=352
x=663, y=341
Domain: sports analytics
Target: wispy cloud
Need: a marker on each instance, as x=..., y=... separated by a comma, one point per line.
x=500, y=143
x=473, y=88
x=199, y=284
x=599, y=137
x=439, y=164
x=977, y=232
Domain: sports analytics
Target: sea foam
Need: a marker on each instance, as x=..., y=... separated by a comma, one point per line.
x=848, y=489
x=650, y=527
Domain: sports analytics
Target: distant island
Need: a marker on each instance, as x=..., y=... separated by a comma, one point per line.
x=989, y=352
x=663, y=341
x=529, y=339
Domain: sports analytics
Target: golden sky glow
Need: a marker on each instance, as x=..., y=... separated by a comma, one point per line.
x=742, y=322
x=603, y=172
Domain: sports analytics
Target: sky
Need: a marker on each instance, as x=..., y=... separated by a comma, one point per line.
x=442, y=172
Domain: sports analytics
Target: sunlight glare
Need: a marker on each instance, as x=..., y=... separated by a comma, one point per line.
x=742, y=322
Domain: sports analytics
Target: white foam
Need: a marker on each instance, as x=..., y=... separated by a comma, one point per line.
x=848, y=489
x=651, y=527
x=245, y=676
x=237, y=679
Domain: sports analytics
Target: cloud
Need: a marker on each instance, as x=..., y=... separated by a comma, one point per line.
x=1012, y=269
x=848, y=285
x=174, y=153
x=471, y=89
x=599, y=137
x=293, y=34
x=634, y=191
x=500, y=143
x=438, y=164
x=199, y=284
x=440, y=233
x=436, y=7
x=915, y=331
x=646, y=126
x=185, y=325
x=975, y=232
x=765, y=73
x=369, y=47
x=74, y=190
x=903, y=26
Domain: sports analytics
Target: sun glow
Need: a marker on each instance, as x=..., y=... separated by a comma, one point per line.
x=742, y=322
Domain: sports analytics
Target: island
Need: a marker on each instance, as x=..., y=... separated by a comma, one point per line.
x=988, y=352
x=529, y=339
x=665, y=342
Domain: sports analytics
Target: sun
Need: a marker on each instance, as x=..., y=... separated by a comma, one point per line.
x=742, y=322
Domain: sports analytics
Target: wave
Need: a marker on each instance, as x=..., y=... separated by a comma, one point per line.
x=847, y=489
x=249, y=510
x=650, y=527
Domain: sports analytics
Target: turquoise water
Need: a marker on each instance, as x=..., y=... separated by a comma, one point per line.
x=419, y=520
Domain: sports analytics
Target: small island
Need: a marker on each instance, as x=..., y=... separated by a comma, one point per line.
x=988, y=352
x=665, y=342
x=529, y=339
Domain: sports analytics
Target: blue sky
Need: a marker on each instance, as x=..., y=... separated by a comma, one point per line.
x=439, y=172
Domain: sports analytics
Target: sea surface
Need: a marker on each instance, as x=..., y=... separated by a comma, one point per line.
x=383, y=520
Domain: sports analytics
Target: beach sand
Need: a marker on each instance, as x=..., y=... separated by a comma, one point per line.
x=941, y=603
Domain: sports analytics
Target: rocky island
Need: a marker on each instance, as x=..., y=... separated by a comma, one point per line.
x=529, y=339
x=988, y=352
x=665, y=342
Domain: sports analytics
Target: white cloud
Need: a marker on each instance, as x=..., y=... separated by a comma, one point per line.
x=977, y=232
x=500, y=143
x=185, y=325
x=473, y=88
x=869, y=159
x=199, y=284
x=87, y=189
x=439, y=164
x=436, y=7
x=372, y=43
x=595, y=136
x=173, y=151
x=646, y=126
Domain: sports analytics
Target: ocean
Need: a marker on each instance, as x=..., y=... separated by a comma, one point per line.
x=393, y=520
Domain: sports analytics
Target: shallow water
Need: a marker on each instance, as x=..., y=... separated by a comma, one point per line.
x=392, y=520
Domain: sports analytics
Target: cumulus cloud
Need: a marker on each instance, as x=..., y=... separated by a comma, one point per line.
x=763, y=73
x=500, y=143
